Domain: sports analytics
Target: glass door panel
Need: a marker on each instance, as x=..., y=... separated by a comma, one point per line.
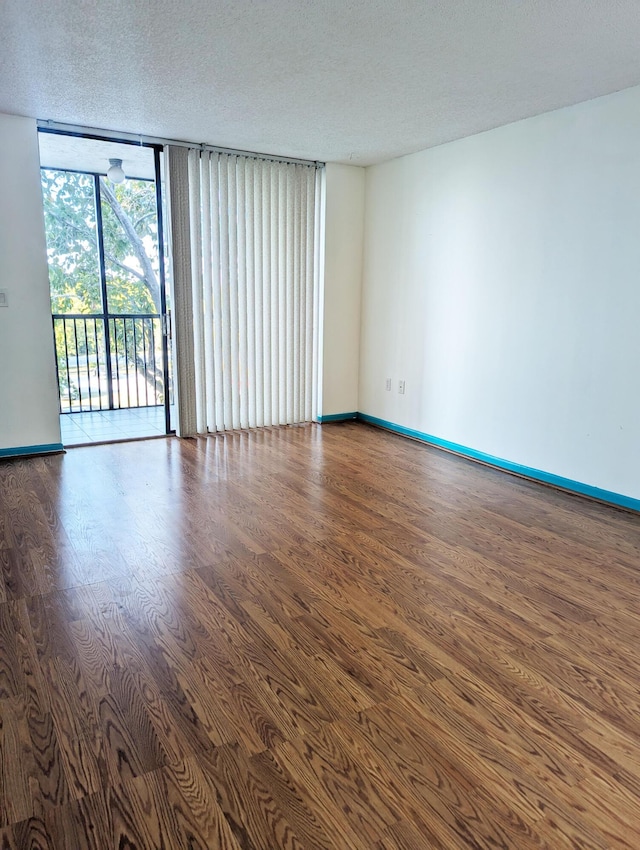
x=130, y=234
x=107, y=291
x=72, y=242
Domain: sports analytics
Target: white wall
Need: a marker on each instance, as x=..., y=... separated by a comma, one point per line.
x=344, y=220
x=502, y=283
x=28, y=391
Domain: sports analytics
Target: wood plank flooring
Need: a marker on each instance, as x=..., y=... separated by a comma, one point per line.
x=312, y=637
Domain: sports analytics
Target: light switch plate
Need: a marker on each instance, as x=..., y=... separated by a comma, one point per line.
x=4, y=298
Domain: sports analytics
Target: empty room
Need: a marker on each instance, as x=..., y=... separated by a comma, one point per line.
x=319, y=430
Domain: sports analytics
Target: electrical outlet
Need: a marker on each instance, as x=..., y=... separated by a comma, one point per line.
x=401, y=387
x=388, y=384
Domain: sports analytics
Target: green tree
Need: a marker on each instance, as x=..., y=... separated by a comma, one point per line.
x=72, y=246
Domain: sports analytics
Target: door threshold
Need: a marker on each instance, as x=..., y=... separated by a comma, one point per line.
x=117, y=440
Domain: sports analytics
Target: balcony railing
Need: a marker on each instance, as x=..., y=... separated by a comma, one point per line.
x=109, y=362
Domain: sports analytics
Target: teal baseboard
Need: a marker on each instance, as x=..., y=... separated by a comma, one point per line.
x=29, y=451
x=337, y=417
x=518, y=469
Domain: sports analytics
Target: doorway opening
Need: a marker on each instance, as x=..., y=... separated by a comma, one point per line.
x=107, y=283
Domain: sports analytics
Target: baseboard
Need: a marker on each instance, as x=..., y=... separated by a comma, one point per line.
x=540, y=475
x=338, y=417
x=30, y=451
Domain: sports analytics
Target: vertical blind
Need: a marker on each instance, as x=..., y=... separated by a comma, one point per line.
x=246, y=298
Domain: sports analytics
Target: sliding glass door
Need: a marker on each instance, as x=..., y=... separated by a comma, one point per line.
x=107, y=291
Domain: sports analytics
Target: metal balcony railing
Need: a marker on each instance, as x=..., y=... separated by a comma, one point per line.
x=108, y=362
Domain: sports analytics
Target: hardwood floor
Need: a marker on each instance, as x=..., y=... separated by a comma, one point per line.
x=312, y=637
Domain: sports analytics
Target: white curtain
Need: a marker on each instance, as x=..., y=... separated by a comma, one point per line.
x=253, y=242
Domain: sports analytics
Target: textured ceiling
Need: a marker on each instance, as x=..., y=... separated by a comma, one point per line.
x=342, y=80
